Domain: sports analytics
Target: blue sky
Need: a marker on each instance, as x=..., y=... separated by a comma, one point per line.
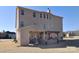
x=70, y=16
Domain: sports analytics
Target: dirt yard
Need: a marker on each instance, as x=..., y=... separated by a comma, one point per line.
x=7, y=46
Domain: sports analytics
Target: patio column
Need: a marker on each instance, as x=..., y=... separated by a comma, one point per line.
x=44, y=35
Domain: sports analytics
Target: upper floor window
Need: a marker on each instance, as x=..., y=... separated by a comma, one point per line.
x=44, y=26
x=44, y=15
x=40, y=15
x=34, y=14
x=22, y=12
x=47, y=16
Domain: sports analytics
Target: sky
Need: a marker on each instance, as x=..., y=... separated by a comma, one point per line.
x=70, y=16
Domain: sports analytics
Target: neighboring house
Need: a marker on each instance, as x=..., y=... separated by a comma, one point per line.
x=7, y=35
x=66, y=34
x=72, y=34
x=39, y=25
x=2, y=35
x=12, y=35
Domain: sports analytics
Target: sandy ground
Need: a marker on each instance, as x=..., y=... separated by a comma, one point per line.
x=7, y=46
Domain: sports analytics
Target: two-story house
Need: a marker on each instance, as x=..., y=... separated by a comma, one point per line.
x=37, y=27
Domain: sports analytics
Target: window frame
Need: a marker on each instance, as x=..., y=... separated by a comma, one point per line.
x=22, y=12
x=34, y=14
x=44, y=15
x=40, y=15
x=22, y=24
x=47, y=16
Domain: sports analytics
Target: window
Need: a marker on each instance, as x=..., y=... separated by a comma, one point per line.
x=34, y=14
x=44, y=26
x=22, y=12
x=44, y=15
x=22, y=24
x=40, y=15
x=47, y=16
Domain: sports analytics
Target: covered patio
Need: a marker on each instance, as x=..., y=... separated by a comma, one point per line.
x=43, y=37
x=37, y=35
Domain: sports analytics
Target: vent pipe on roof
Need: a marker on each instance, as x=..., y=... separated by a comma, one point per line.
x=49, y=11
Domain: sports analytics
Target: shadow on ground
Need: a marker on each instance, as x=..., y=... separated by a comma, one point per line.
x=73, y=43
x=61, y=44
x=64, y=44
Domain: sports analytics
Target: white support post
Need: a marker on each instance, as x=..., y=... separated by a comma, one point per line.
x=44, y=35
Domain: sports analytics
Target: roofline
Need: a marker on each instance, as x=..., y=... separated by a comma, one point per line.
x=38, y=11
x=31, y=9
